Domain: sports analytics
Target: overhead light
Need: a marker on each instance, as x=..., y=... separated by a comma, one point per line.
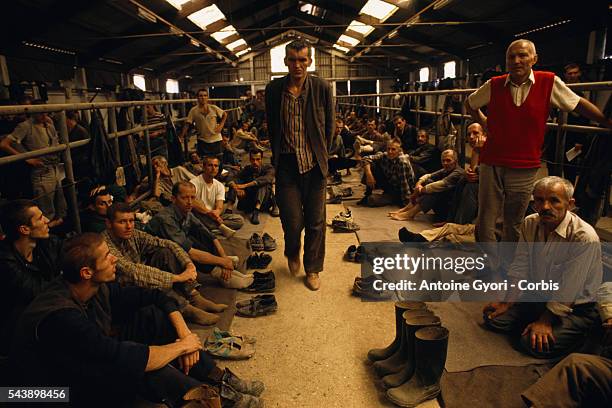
x=546, y=27
x=236, y=44
x=187, y=77
x=349, y=40
x=239, y=53
x=177, y=4
x=341, y=48
x=378, y=9
x=206, y=16
x=176, y=31
x=48, y=48
x=393, y=34
x=194, y=43
x=224, y=33
x=145, y=14
x=110, y=61
x=361, y=28
x=148, y=69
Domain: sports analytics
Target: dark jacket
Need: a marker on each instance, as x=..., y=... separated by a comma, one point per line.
x=21, y=281
x=263, y=176
x=427, y=156
x=318, y=117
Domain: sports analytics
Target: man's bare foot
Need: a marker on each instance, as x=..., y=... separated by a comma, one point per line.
x=402, y=217
x=295, y=266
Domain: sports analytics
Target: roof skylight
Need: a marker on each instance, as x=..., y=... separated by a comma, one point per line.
x=349, y=40
x=236, y=44
x=206, y=16
x=379, y=9
x=240, y=53
x=361, y=28
x=341, y=48
x=177, y=4
x=224, y=33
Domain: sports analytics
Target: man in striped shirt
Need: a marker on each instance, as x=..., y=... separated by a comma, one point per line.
x=300, y=116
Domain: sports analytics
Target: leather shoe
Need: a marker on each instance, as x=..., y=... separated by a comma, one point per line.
x=312, y=281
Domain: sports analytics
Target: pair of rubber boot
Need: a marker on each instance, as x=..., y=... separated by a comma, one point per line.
x=412, y=365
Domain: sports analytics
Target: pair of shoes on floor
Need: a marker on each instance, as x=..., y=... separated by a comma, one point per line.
x=364, y=288
x=230, y=348
x=334, y=200
x=202, y=396
x=218, y=334
x=258, y=260
x=345, y=226
x=343, y=216
x=339, y=191
x=238, y=393
x=262, y=242
x=260, y=305
x=264, y=282
x=355, y=253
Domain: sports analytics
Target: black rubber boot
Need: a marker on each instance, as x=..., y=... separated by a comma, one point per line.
x=400, y=307
x=398, y=360
x=415, y=320
x=431, y=345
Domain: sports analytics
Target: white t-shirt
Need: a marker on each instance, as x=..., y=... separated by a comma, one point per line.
x=209, y=194
x=206, y=123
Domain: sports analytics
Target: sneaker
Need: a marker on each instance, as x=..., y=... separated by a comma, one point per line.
x=264, y=261
x=260, y=286
x=230, y=397
x=255, y=388
x=344, y=216
x=269, y=243
x=263, y=276
x=256, y=243
x=257, y=306
x=255, y=217
x=345, y=226
x=252, y=261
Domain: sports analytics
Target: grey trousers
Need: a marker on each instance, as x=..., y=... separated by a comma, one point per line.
x=48, y=192
x=570, y=331
x=301, y=201
x=502, y=191
x=579, y=380
x=233, y=221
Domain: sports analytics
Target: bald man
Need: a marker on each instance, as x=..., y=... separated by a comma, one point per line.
x=518, y=106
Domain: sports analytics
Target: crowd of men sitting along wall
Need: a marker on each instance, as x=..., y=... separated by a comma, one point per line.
x=154, y=250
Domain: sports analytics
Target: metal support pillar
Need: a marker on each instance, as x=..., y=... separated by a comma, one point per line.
x=67, y=158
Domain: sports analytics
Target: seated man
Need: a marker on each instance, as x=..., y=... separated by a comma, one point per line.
x=348, y=139
x=371, y=141
x=194, y=165
x=580, y=380
x=464, y=205
x=210, y=196
x=178, y=224
x=338, y=154
x=246, y=140
x=254, y=187
x=151, y=262
x=230, y=163
x=405, y=132
x=552, y=329
x=433, y=191
x=93, y=218
x=163, y=180
x=426, y=157
x=109, y=343
x=390, y=171
x=29, y=260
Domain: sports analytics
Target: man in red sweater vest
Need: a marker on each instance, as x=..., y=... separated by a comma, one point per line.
x=518, y=106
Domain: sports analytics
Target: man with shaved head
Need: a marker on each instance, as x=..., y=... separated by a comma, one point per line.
x=518, y=105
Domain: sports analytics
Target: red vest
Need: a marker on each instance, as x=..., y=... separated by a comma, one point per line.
x=516, y=133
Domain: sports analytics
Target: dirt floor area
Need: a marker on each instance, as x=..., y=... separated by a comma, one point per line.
x=312, y=352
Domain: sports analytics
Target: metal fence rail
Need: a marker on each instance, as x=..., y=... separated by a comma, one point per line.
x=65, y=146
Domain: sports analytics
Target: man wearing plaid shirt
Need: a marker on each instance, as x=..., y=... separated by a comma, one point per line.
x=151, y=262
x=390, y=171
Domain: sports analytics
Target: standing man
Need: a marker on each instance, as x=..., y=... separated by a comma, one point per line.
x=34, y=134
x=518, y=106
x=300, y=115
x=209, y=120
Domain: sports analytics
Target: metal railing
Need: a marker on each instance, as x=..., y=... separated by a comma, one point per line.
x=393, y=101
x=65, y=146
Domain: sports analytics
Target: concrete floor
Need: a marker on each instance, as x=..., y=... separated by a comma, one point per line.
x=312, y=352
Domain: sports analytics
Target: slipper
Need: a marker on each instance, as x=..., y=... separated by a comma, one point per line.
x=350, y=253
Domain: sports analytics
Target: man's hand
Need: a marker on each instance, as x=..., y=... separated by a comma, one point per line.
x=541, y=332
x=226, y=263
x=190, y=343
x=226, y=274
x=187, y=361
x=36, y=162
x=419, y=189
x=188, y=275
x=494, y=309
x=240, y=193
x=471, y=176
x=218, y=129
x=371, y=181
